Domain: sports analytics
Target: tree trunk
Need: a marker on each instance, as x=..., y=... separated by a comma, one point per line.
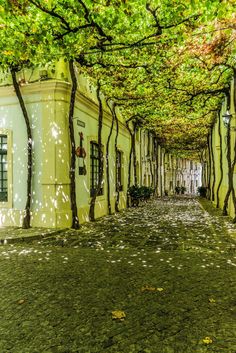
x=107, y=163
x=151, y=171
x=161, y=173
x=221, y=163
x=26, y=219
x=164, y=174
x=234, y=161
x=203, y=174
x=228, y=155
x=230, y=184
x=100, y=155
x=209, y=167
x=201, y=157
x=157, y=168
x=233, y=189
x=75, y=219
x=116, y=150
x=134, y=155
x=150, y=161
x=213, y=170
x=130, y=162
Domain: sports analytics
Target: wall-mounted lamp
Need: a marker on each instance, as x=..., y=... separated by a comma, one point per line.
x=226, y=118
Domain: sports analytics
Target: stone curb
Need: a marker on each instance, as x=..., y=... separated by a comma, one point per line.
x=28, y=238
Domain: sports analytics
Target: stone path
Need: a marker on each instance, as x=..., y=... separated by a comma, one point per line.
x=168, y=269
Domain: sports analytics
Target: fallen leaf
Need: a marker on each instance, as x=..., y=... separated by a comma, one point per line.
x=21, y=301
x=151, y=289
x=207, y=340
x=212, y=300
x=118, y=315
x=148, y=289
x=160, y=289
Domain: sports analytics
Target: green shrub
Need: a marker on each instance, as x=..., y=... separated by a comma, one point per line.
x=138, y=193
x=146, y=192
x=177, y=190
x=202, y=191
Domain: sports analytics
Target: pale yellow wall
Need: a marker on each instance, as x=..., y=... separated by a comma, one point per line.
x=11, y=119
x=216, y=151
x=47, y=103
x=87, y=111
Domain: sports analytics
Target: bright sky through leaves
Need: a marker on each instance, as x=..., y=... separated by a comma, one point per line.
x=165, y=63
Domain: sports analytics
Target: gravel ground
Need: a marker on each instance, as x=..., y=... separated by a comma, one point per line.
x=159, y=278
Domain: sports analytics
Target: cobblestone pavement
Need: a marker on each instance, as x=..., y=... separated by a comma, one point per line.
x=167, y=269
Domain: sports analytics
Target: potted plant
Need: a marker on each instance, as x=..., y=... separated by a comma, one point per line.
x=141, y=193
x=134, y=193
x=177, y=190
x=202, y=191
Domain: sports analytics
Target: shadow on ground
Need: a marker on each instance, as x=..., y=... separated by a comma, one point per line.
x=169, y=266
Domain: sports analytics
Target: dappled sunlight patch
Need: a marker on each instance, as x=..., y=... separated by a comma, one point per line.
x=151, y=289
x=207, y=340
x=118, y=315
x=21, y=301
x=79, y=278
x=212, y=300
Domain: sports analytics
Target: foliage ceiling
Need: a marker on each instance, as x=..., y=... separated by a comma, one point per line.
x=166, y=63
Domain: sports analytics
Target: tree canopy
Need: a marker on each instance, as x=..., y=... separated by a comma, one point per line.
x=166, y=63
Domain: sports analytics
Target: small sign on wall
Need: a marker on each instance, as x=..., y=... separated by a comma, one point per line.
x=80, y=123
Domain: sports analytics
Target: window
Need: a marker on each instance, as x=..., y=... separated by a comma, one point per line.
x=94, y=169
x=3, y=169
x=119, y=183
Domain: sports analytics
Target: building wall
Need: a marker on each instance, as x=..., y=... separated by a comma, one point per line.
x=217, y=149
x=47, y=101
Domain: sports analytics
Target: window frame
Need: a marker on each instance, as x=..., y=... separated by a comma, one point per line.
x=119, y=170
x=8, y=134
x=94, y=163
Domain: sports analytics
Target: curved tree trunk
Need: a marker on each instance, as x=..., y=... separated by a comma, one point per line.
x=157, y=167
x=100, y=155
x=221, y=163
x=134, y=154
x=116, y=152
x=203, y=174
x=228, y=156
x=213, y=170
x=161, y=173
x=75, y=219
x=26, y=219
x=130, y=162
x=164, y=174
x=203, y=169
x=230, y=184
x=234, y=161
x=150, y=160
x=107, y=163
x=233, y=189
x=209, y=168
